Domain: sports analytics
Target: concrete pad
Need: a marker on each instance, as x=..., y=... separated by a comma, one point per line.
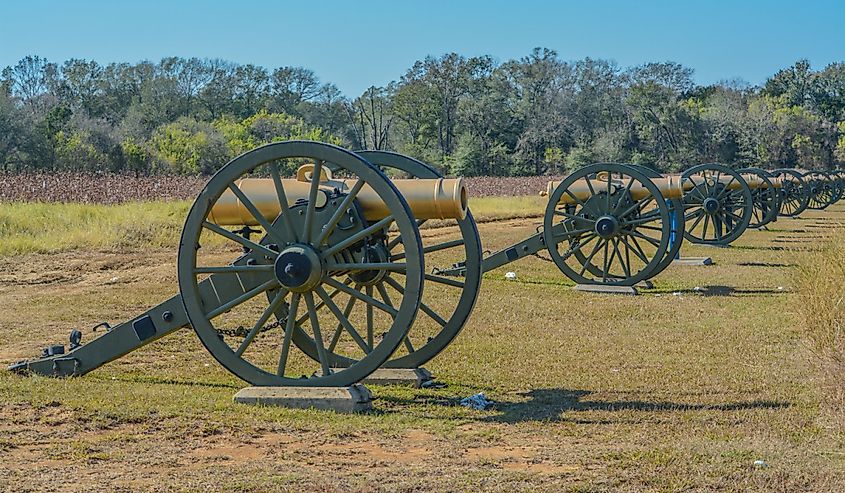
x=693, y=261
x=601, y=288
x=355, y=398
x=411, y=377
x=712, y=245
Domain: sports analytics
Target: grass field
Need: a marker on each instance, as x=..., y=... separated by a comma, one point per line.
x=680, y=389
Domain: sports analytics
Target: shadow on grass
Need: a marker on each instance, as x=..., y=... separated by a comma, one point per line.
x=722, y=291
x=553, y=404
x=776, y=248
x=777, y=230
x=765, y=264
x=168, y=381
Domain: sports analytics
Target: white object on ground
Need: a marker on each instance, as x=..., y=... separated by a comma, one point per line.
x=510, y=276
x=477, y=401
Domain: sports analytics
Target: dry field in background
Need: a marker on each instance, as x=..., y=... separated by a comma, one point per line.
x=680, y=389
x=107, y=188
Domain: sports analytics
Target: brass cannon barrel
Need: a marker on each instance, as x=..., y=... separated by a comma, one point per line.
x=670, y=187
x=438, y=198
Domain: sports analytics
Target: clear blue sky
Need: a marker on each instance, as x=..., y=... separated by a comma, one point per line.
x=355, y=44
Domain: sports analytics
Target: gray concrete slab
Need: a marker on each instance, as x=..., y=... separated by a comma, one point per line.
x=355, y=398
x=693, y=261
x=411, y=377
x=600, y=288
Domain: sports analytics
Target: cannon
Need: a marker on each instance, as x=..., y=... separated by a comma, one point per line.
x=338, y=229
x=765, y=197
x=341, y=280
x=822, y=189
x=330, y=289
x=794, y=194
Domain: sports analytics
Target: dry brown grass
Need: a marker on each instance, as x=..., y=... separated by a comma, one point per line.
x=680, y=389
x=820, y=281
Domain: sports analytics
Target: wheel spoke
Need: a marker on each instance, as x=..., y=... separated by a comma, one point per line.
x=383, y=293
x=432, y=248
x=338, y=214
x=425, y=308
x=312, y=204
x=257, y=215
x=395, y=241
x=717, y=227
x=574, y=216
x=605, y=260
x=637, y=205
x=318, y=335
x=342, y=320
x=574, y=232
x=642, y=220
x=370, y=329
x=639, y=252
x=697, y=190
x=583, y=244
x=347, y=310
x=359, y=266
x=366, y=298
x=283, y=201
x=626, y=265
x=360, y=235
x=228, y=269
x=649, y=239
x=577, y=200
x=239, y=239
x=726, y=189
x=623, y=195
x=698, y=220
x=271, y=308
x=589, y=258
x=444, y=280
x=321, y=304
x=289, y=324
x=590, y=185
x=243, y=298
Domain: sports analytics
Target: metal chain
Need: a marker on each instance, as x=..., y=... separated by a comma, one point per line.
x=242, y=331
x=568, y=253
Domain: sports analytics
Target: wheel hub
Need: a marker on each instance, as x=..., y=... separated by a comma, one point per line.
x=711, y=205
x=607, y=226
x=298, y=268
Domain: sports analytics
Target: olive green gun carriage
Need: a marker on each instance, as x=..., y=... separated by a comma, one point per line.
x=337, y=277
x=354, y=270
x=340, y=226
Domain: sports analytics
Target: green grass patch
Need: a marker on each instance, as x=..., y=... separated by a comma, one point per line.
x=49, y=228
x=46, y=228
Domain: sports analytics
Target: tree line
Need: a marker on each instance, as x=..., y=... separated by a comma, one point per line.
x=467, y=115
